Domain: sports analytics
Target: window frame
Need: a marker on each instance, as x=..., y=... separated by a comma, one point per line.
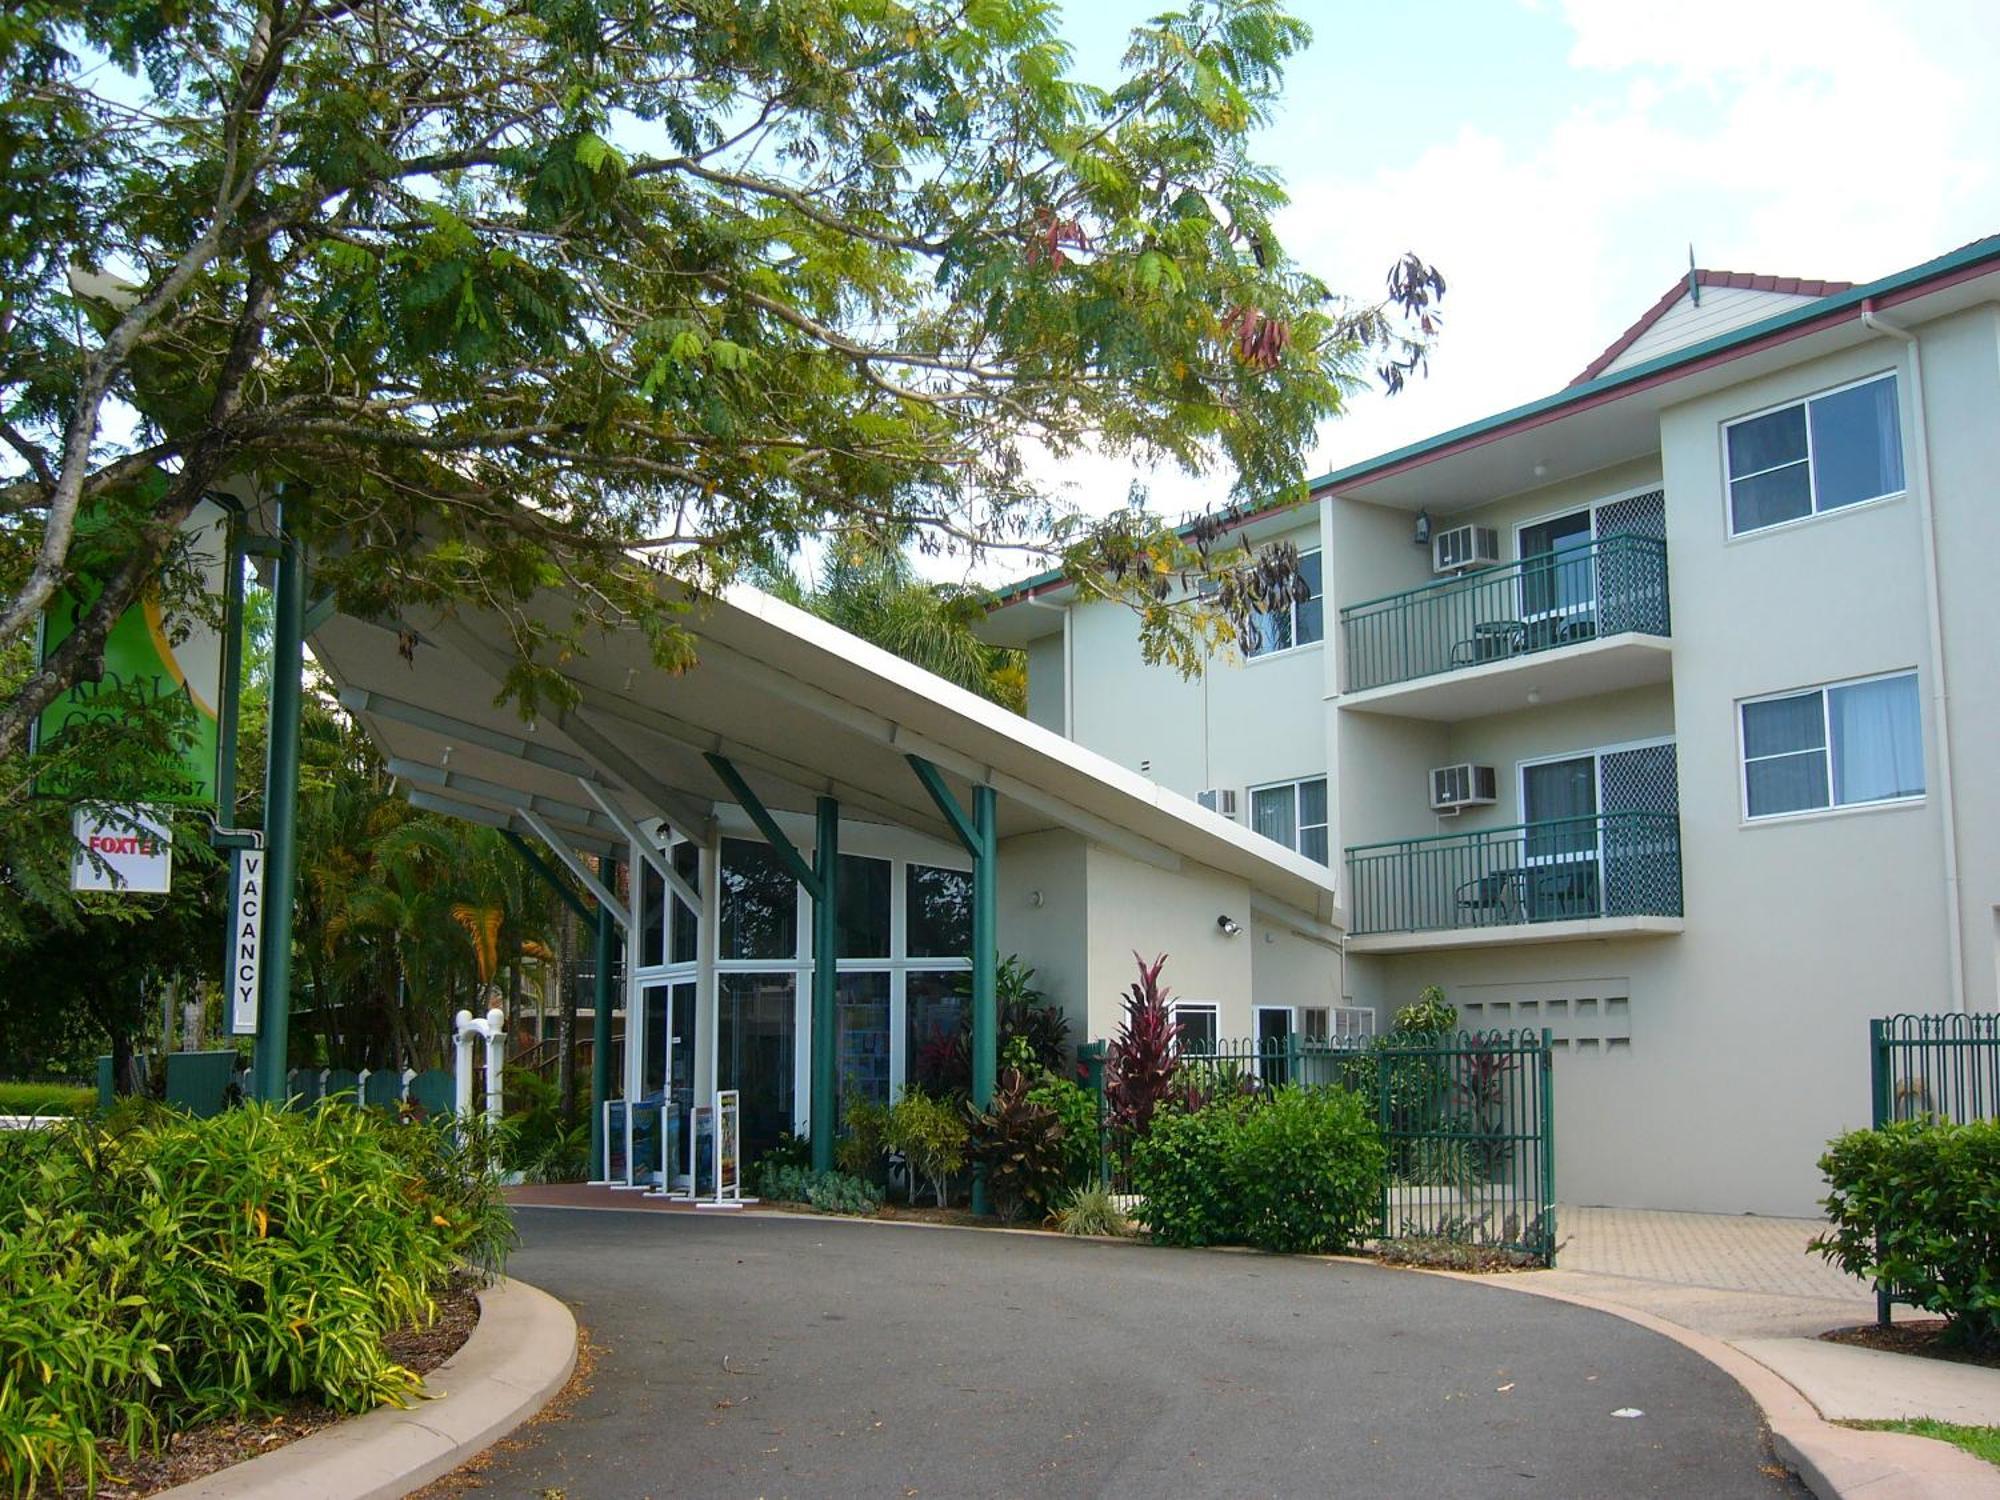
x=1176, y=1008
x=1831, y=808
x=1299, y=825
x=1730, y=529
x=1291, y=612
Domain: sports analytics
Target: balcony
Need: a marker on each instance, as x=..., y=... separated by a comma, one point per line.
x=1588, y=619
x=1605, y=875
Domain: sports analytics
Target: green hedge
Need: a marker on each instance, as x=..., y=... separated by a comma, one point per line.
x=1915, y=1207
x=157, y=1270
x=46, y=1099
x=1291, y=1169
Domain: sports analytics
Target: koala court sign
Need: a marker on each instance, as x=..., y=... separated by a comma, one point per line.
x=153, y=655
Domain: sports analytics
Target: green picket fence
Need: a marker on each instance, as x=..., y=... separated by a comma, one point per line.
x=1468, y=1117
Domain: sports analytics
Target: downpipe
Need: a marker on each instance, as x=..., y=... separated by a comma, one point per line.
x=1934, y=622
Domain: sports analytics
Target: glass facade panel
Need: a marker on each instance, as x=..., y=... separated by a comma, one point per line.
x=940, y=912
x=756, y=1042
x=864, y=907
x=1198, y=1026
x=652, y=917
x=685, y=924
x=1767, y=442
x=760, y=903
x=934, y=1057
x=1781, y=726
x=861, y=1043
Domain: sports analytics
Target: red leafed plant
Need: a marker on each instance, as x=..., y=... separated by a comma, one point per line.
x=1140, y=1062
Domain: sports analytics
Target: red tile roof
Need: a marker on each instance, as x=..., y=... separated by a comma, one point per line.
x=1794, y=286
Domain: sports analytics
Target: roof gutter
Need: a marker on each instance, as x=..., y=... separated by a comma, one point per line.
x=1934, y=623
x=1975, y=259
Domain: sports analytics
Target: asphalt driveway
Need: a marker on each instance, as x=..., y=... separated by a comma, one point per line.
x=759, y=1356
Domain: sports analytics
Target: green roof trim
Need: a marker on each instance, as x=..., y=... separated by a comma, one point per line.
x=1978, y=251
x=1969, y=255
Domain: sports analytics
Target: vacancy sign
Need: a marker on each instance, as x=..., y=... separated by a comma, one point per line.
x=125, y=849
x=246, y=944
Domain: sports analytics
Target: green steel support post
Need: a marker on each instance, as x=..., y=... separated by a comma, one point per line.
x=1878, y=1080
x=980, y=836
x=281, y=812
x=600, y=1023
x=825, y=992
x=985, y=947
x=552, y=880
x=228, y=709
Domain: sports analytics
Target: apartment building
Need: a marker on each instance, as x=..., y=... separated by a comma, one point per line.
x=1661, y=712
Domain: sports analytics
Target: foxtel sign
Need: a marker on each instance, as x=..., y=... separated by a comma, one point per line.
x=125, y=849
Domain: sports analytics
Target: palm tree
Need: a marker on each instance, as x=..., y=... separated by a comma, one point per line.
x=869, y=587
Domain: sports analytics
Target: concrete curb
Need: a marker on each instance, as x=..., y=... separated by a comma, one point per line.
x=518, y=1357
x=1836, y=1463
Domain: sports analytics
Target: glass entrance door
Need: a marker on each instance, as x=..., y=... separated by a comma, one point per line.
x=679, y=1040
x=1274, y=1030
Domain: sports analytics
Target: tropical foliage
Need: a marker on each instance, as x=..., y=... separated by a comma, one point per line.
x=157, y=1270
x=502, y=295
x=1141, y=1062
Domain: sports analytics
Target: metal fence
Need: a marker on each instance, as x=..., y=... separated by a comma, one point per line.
x=1945, y=1067
x=1613, y=585
x=1468, y=1117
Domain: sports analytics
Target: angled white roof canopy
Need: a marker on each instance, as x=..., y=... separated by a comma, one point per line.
x=802, y=708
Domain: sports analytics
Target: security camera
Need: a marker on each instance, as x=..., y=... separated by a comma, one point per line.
x=1228, y=925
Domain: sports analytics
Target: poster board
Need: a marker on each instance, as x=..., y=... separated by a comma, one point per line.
x=728, y=1145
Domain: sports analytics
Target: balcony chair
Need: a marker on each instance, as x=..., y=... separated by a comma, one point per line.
x=1494, y=896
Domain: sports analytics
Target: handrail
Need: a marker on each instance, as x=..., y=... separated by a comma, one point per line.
x=1616, y=864
x=1499, y=830
x=1614, y=585
x=1610, y=541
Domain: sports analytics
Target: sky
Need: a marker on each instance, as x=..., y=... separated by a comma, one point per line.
x=1555, y=159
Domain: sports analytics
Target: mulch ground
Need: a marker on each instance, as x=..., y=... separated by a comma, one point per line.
x=1923, y=1337
x=203, y=1450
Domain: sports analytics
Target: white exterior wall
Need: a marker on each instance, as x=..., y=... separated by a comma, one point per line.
x=1045, y=917
x=1047, y=702
x=1241, y=724
x=1138, y=908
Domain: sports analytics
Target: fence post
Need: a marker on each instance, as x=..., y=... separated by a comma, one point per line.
x=1091, y=1055
x=1548, y=1131
x=1878, y=1069
x=1879, y=1088
x=1382, y=1121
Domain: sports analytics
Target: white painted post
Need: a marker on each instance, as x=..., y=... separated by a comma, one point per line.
x=462, y=1025
x=496, y=1061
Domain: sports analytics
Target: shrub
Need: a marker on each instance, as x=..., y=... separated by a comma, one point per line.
x=859, y=1151
x=46, y=1099
x=1913, y=1208
x=1437, y=1161
x=1020, y=1143
x=538, y=1144
x=788, y=1150
x=1289, y=1169
x=1091, y=1210
x=158, y=1270
x=1428, y=1015
x=1076, y=1107
x=831, y=1192
x=1139, y=1064
x=931, y=1134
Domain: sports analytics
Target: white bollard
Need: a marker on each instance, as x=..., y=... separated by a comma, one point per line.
x=496, y=1062
x=462, y=1025
x=492, y=1029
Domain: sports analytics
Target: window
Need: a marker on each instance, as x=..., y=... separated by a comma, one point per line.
x=1828, y=451
x=1198, y=1026
x=1297, y=624
x=1845, y=745
x=940, y=915
x=1315, y=1023
x=1559, y=805
x=1292, y=813
x=864, y=907
x=760, y=902
x=1556, y=567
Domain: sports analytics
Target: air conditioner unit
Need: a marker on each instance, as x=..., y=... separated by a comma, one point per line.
x=1219, y=799
x=1463, y=547
x=1455, y=788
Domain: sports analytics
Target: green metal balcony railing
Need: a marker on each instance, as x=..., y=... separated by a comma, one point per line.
x=1615, y=584
x=1620, y=864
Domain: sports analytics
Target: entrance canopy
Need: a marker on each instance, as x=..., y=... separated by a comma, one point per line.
x=800, y=707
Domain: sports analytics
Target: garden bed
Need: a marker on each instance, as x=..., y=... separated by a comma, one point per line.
x=1923, y=1337
x=213, y=1446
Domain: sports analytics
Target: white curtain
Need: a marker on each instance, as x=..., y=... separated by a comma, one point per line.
x=1878, y=740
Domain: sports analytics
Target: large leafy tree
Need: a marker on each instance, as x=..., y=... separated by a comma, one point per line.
x=506, y=293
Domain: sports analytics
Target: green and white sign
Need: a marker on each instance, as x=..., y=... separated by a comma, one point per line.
x=153, y=655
